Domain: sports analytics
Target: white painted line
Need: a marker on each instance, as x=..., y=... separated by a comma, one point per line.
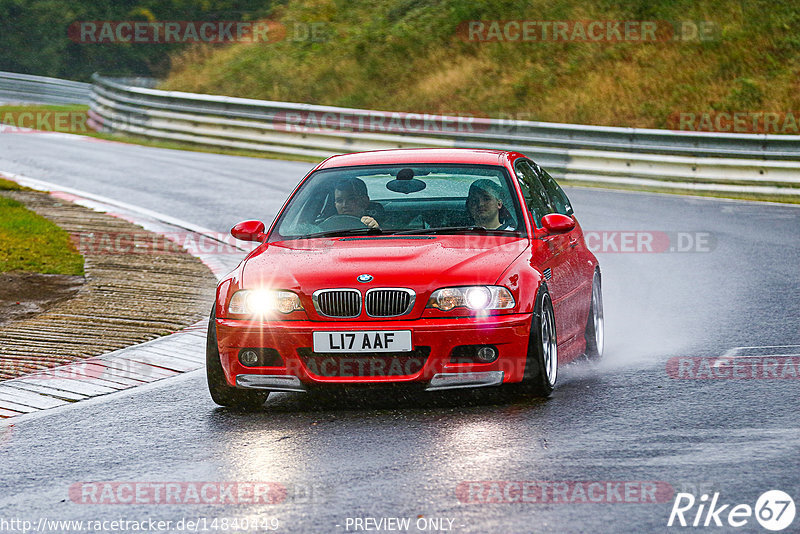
x=764, y=351
x=75, y=386
x=102, y=399
x=110, y=370
x=96, y=368
x=27, y=398
x=8, y=405
x=165, y=362
x=52, y=392
x=797, y=347
x=188, y=353
x=77, y=372
x=147, y=372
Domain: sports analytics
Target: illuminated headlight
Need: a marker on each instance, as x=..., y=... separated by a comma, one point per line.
x=263, y=301
x=472, y=297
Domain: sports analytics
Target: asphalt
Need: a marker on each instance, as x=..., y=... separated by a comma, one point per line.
x=376, y=455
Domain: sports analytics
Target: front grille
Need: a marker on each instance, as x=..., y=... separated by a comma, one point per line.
x=364, y=364
x=338, y=302
x=389, y=302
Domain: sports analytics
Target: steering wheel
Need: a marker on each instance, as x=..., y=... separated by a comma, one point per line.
x=341, y=222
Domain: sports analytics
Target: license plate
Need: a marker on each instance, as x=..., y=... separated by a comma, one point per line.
x=363, y=341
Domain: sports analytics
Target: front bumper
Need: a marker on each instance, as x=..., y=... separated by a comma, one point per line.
x=440, y=381
x=429, y=364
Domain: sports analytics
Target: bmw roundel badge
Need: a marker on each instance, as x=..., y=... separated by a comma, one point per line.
x=364, y=278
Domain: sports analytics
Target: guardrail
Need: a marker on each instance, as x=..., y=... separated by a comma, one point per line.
x=664, y=159
x=761, y=164
x=42, y=90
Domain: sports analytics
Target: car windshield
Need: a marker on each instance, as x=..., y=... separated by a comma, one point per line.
x=402, y=199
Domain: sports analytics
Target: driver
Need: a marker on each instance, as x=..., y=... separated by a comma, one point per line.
x=351, y=198
x=485, y=206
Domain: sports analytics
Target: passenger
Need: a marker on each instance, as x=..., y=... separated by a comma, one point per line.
x=351, y=198
x=485, y=206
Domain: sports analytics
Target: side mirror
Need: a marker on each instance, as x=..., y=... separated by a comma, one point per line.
x=249, y=231
x=555, y=223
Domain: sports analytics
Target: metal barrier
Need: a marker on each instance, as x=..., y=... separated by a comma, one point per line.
x=762, y=164
x=42, y=90
x=664, y=159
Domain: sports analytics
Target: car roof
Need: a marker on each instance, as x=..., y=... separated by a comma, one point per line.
x=421, y=155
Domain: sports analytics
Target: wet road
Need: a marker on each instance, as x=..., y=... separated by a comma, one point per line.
x=357, y=456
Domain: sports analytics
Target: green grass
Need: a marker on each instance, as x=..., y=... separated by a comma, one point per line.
x=407, y=55
x=31, y=243
x=6, y=185
x=10, y=108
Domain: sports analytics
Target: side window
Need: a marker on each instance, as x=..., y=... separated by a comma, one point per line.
x=558, y=198
x=533, y=191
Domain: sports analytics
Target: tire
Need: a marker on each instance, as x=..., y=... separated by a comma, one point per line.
x=595, y=324
x=221, y=392
x=541, y=364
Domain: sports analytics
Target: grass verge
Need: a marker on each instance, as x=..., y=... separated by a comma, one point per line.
x=6, y=185
x=31, y=243
x=419, y=56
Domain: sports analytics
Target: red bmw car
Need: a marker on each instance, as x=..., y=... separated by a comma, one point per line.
x=440, y=268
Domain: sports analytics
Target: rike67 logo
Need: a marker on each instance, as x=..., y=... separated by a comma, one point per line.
x=774, y=510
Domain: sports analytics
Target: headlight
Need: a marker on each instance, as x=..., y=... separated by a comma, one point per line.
x=472, y=297
x=263, y=301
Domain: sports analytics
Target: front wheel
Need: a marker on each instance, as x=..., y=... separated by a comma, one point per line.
x=221, y=392
x=595, y=325
x=541, y=364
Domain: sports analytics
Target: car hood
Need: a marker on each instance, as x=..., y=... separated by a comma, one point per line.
x=419, y=262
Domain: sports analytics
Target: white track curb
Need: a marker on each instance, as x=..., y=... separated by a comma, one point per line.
x=134, y=366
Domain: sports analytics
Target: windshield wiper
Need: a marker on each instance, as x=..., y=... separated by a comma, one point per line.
x=341, y=233
x=456, y=230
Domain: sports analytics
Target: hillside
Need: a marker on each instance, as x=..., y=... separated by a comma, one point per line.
x=418, y=55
